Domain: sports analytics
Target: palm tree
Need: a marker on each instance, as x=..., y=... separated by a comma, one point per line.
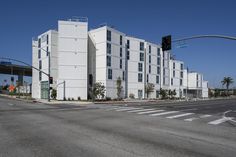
x=227, y=81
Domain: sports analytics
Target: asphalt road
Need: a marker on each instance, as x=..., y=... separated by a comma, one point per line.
x=40, y=130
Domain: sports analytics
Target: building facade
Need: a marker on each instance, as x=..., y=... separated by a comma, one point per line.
x=77, y=58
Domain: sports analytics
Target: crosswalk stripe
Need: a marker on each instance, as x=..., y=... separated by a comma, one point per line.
x=205, y=116
x=127, y=109
x=115, y=108
x=218, y=121
x=180, y=115
x=163, y=113
x=133, y=111
x=154, y=111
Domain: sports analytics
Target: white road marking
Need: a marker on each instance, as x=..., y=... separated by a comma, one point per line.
x=154, y=111
x=219, y=121
x=180, y=115
x=127, y=109
x=133, y=111
x=163, y=113
x=115, y=108
x=191, y=119
x=11, y=104
x=205, y=116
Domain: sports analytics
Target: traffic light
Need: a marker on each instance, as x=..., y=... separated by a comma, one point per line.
x=166, y=43
x=51, y=80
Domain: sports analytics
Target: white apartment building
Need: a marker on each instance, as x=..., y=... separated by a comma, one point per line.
x=79, y=58
x=63, y=54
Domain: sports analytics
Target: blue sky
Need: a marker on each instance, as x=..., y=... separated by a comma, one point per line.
x=149, y=19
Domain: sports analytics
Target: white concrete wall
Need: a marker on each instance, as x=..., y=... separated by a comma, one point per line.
x=72, y=59
x=205, y=89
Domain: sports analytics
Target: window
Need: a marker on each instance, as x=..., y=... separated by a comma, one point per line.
x=140, y=67
x=120, y=40
x=164, y=72
x=123, y=76
x=150, y=59
x=109, y=61
x=108, y=48
x=173, y=73
x=140, y=77
x=150, y=69
x=40, y=76
x=157, y=79
x=121, y=52
x=120, y=63
x=158, y=61
x=150, y=49
x=40, y=64
x=163, y=62
x=127, y=44
x=110, y=74
x=47, y=51
x=181, y=74
x=141, y=46
x=141, y=56
x=157, y=93
x=39, y=53
x=140, y=94
x=163, y=54
x=164, y=81
x=158, y=70
x=47, y=39
x=127, y=55
x=158, y=52
x=90, y=79
x=147, y=78
x=182, y=66
x=173, y=65
x=181, y=82
x=108, y=35
x=171, y=81
x=39, y=43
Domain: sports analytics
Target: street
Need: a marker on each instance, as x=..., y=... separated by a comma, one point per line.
x=181, y=129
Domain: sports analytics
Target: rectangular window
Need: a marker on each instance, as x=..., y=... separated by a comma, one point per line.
x=182, y=66
x=140, y=94
x=127, y=44
x=181, y=74
x=181, y=82
x=109, y=61
x=150, y=49
x=173, y=65
x=171, y=81
x=90, y=79
x=140, y=67
x=110, y=74
x=47, y=39
x=164, y=72
x=150, y=59
x=158, y=70
x=163, y=61
x=123, y=76
x=147, y=78
x=39, y=53
x=108, y=35
x=164, y=81
x=173, y=73
x=39, y=43
x=120, y=63
x=158, y=52
x=158, y=61
x=121, y=52
x=140, y=77
x=108, y=48
x=40, y=76
x=157, y=79
x=141, y=56
x=120, y=40
x=40, y=64
x=150, y=69
x=141, y=46
x=47, y=51
x=127, y=55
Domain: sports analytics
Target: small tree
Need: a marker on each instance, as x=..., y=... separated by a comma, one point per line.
x=163, y=93
x=99, y=90
x=119, y=87
x=54, y=93
x=149, y=88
